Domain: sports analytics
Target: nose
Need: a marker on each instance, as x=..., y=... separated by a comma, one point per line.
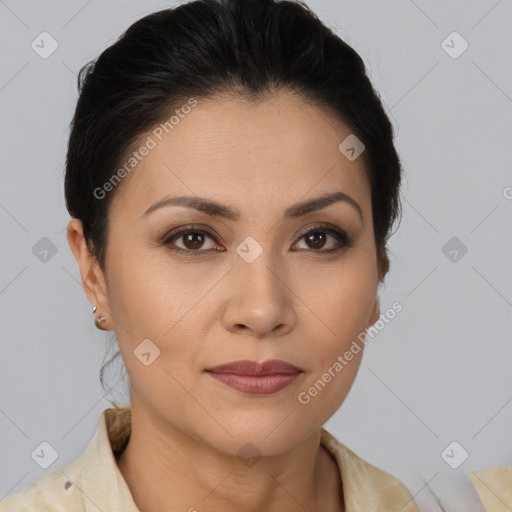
x=260, y=301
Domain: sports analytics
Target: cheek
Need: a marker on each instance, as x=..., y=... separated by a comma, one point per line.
x=153, y=297
x=341, y=314
x=341, y=298
x=150, y=294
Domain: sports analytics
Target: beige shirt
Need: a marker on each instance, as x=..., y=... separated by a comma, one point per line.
x=93, y=482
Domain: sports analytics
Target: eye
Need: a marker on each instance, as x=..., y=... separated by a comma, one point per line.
x=192, y=240
x=317, y=237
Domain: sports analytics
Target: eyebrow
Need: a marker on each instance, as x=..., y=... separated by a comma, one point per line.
x=216, y=209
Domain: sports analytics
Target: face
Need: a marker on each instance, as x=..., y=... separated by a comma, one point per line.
x=256, y=278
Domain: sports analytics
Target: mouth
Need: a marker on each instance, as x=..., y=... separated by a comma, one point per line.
x=256, y=378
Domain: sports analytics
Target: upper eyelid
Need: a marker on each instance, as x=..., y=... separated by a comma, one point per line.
x=187, y=229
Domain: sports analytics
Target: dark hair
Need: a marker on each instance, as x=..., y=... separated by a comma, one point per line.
x=204, y=48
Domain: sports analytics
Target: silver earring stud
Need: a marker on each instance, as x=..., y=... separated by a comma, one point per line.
x=94, y=310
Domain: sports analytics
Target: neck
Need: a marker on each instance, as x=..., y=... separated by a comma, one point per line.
x=164, y=465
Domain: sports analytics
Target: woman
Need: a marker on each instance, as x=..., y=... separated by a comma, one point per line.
x=232, y=182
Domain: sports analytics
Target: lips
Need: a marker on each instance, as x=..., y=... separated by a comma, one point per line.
x=271, y=367
x=256, y=378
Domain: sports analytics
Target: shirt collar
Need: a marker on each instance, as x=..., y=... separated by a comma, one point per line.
x=366, y=488
x=103, y=484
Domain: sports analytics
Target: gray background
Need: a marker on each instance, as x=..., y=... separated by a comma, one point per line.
x=439, y=372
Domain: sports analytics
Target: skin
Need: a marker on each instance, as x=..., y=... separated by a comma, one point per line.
x=294, y=302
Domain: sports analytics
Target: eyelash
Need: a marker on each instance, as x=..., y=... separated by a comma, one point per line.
x=340, y=235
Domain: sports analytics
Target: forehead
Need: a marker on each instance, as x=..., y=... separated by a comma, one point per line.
x=253, y=154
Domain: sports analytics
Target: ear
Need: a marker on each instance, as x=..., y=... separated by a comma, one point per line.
x=376, y=312
x=92, y=276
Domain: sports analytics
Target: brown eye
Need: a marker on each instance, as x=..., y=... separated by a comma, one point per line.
x=318, y=237
x=192, y=241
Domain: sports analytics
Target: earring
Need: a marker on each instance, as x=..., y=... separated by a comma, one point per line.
x=100, y=320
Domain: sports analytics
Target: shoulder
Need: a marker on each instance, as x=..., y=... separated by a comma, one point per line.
x=494, y=487
x=366, y=485
x=88, y=481
x=58, y=491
